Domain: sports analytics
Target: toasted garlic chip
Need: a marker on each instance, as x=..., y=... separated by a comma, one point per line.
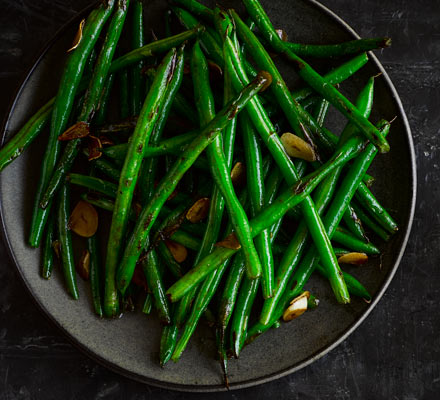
x=229, y=242
x=198, y=211
x=79, y=130
x=238, y=173
x=353, y=258
x=78, y=37
x=297, y=147
x=178, y=251
x=297, y=307
x=84, y=219
x=83, y=266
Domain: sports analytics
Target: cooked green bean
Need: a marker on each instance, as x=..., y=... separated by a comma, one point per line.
x=266, y=218
x=256, y=189
x=219, y=166
x=338, y=49
x=61, y=110
x=148, y=170
x=95, y=274
x=91, y=101
x=266, y=130
x=128, y=178
x=99, y=185
x=150, y=266
x=169, y=182
x=155, y=47
x=65, y=239
x=376, y=228
x=316, y=81
x=210, y=45
x=25, y=136
x=48, y=258
x=354, y=244
x=377, y=211
x=354, y=224
x=137, y=41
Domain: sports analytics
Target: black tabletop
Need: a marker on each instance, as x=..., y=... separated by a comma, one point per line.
x=394, y=354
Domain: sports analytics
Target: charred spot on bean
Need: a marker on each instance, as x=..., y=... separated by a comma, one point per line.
x=233, y=112
x=140, y=148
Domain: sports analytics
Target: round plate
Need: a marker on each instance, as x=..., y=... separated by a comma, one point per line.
x=130, y=345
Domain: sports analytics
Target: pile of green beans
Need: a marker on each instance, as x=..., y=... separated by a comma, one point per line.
x=186, y=231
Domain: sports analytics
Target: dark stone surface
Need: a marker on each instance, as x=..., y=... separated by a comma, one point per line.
x=395, y=352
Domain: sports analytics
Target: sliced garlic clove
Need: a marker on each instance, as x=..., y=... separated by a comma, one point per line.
x=198, y=211
x=298, y=306
x=84, y=219
x=297, y=147
x=353, y=258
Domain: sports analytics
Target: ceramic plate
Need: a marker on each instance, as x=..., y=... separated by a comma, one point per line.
x=130, y=345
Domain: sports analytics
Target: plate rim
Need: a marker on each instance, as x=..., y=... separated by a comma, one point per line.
x=266, y=378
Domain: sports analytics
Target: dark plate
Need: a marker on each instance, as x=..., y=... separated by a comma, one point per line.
x=130, y=345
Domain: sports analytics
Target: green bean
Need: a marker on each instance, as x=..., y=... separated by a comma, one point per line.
x=149, y=166
x=335, y=76
x=168, y=343
x=219, y=166
x=95, y=273
x=266, y=218
x=91, y=101
x=33, y=127
x=155, y=47
x=377, y=229
x=128, y=178
x=155, y=284
x=265, y=128
x=137, y=41
x=367, y=199
x=338, y=49
x=169, y=182
x=295, y=249
x=354, y=224
x=354, y=244
x=225, y=142
x=209, y=43
x=245, y=301
x=25, y=136
x=173, y=145
x=316, y=81
x=101, y=113
x=354, y=286
x=148, y=304
x=337, y=208
x=65, y=238
x=96, y=184
x=48, y=258
x=255, y=186
x=205, y=294
x=195, y=8
x=61, y=110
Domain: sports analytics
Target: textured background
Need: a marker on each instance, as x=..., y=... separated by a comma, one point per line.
x=395, y=352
